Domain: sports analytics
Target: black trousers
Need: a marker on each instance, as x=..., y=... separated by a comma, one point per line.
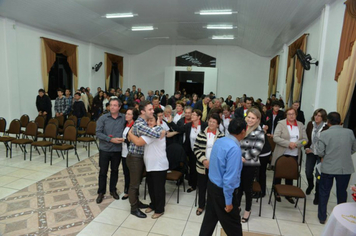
x=287, y=181
x=193, y=175
x=156, y=181
x=215, y=211
x=248, y=174
x=202, y=186
x=106, y=158
x=126, y=175
x=261, y=173
x=136, y=165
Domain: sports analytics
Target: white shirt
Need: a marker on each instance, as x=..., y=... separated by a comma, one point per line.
x=165, y=126
x=294, y=137
x=193, y=135
x=224, y=125
x=177, y=117
x=155, y=156
x=124, y=145
x=209, y=144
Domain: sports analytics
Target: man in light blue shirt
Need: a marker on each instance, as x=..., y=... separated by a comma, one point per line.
x=224, y=179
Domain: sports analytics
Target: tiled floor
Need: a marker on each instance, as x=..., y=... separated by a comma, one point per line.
x=115, y=219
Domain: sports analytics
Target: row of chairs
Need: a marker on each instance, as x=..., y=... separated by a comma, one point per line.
x=55, y=141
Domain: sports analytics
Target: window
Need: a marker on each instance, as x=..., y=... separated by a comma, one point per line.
x=60, y=76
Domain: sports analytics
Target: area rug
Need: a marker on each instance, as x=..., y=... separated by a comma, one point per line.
x=245, y=233
x=62, y=204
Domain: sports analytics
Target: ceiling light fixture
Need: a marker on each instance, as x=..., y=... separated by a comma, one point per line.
x=142, y=28
x=220, y=27
x=223, y=37
x=216, y=12
x=120, y=15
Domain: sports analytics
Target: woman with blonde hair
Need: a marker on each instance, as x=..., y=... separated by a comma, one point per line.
x=251, y=147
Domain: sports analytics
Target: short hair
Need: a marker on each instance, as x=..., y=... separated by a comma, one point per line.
x=162, y=91
x=168, y=107
x=107, y=104
x=115, y=99
x=180, y=102
x=143, y=104
x=134, y=112
x=273, y=95
x=236, y=126
x=296, y=102
x=216, y=117
x=322, y=112
x=226, y=108
x=177, y=92
x=199, y=113
x=216, y=110
x=60, y=90
x=134, y=86
x=154, y=98
x=78, y=94
x=188, y=108
x=41, y=91
x=289, y=109
x=276, y=103
x=334, y=118
x=158, y=110
x=248, y=99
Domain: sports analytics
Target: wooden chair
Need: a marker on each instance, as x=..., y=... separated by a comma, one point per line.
x=256, y=188
x=73, y=118
x=60, y=121
x=40, y=121
x=83, y=125
x=66, y=124
x=24, y=119
x=70, y=135
x=2, y=125
x=89, y=135
x=53, y=121
x=15, y=129
x=30, y=135
x=5, y=139
x=50, y=134
x=286, y=168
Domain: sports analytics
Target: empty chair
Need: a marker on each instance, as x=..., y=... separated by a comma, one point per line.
x=53, y=121
x=287, y=168
x=60, y=121
x=83, y=125
x=73, y=118
x=70, y=135
x=66, y=124
x=24, y=119
x=50, y=134
x=89, y=135
x=2, y=125
x=40, y=121
x=15, y=129
x=30, y=135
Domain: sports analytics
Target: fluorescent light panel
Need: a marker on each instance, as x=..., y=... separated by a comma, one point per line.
x=216, y=12
x=120, y=15
x=164, y=37
x=220, y=27
x=223, y=37
x=142, y=28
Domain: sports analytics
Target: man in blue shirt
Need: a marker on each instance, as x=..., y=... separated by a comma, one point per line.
x=224, y=179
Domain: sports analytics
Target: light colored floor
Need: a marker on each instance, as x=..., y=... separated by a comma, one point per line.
x=179, y=219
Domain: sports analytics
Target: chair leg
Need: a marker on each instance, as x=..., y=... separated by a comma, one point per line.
x=88, y=149
x=45, y=158
x=296, y=203
x=11, y=150
x=183, y=184
x=305, y=202
x=178, y=194
x=274, y=207
x=37, y=151
x=97, y=145
x=67, y=157
x=76, y=153
x=31, y=153
x=51, y=155
x=24, y=153
x=270, y=195
x=260, y=205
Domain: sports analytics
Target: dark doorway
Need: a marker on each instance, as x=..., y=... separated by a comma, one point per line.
x=192, y=82
x=114, y=77
x=60, y=76
x=350, y=120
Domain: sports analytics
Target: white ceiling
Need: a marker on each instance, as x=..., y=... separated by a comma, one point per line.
x=263, y=26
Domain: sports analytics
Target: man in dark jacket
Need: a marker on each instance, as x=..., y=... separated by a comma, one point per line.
x=203, y=106
x=78, y=107
x=273, y=116
x=242, y=111
x=172, y=100
x=44, y=105
x=163, y=99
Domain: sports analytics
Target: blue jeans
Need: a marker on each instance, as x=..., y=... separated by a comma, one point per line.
x=325, y=185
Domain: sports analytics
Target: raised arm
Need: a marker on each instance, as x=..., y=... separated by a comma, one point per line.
x=138, y=141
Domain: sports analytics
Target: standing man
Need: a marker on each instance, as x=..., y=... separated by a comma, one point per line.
x=134, y=158
x=203, y=105
x=149, y=95
x=163, y=99
x=78, y=108
x=335, y=147
x=44, y=105
x=109, y=129
x=133, y=92
x=60, y=105
x=225, y=167
x=172, y=100
x=242, y=111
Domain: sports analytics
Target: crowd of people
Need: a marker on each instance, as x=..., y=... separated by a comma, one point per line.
x=214, y=133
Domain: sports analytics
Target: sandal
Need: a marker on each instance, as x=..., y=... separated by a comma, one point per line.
x=189, y=190
x=245, y=220
x=199, y=211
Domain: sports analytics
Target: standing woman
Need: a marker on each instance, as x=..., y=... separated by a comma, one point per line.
x=191, y=131
x=289, y=137
x=251, y=147
x=106, y=98
x=97, y=107
x=130, y=117
x=202, y=150
x=156, y=162
x=317, y=125
x=194, y=99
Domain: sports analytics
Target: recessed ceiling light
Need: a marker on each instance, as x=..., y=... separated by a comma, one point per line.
x=219, y=27
x=216, y=12
x=166, y=37
x=142, y=28
x=223, y=37
x=120, y=15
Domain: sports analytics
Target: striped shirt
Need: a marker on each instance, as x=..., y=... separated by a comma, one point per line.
x=141, y=128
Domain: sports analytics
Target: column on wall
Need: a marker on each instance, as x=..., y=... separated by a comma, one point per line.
x=273, y=76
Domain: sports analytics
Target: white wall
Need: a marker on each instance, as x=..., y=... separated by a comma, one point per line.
x=20, y=66
x=239, y=71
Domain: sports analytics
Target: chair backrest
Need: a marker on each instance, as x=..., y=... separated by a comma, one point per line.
x=70, y=133
x=51, y=131
x=60, y=120
x=31, y=129
x=2, y=125
x=91, y=128
x=84, y=122
x=88, y=115
x=73, y=118
x=24, y=120
x=176, y=157
x=15, y=127
x=286, y=168
x=68, y=123
x=53, y=121
x=40, y=121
